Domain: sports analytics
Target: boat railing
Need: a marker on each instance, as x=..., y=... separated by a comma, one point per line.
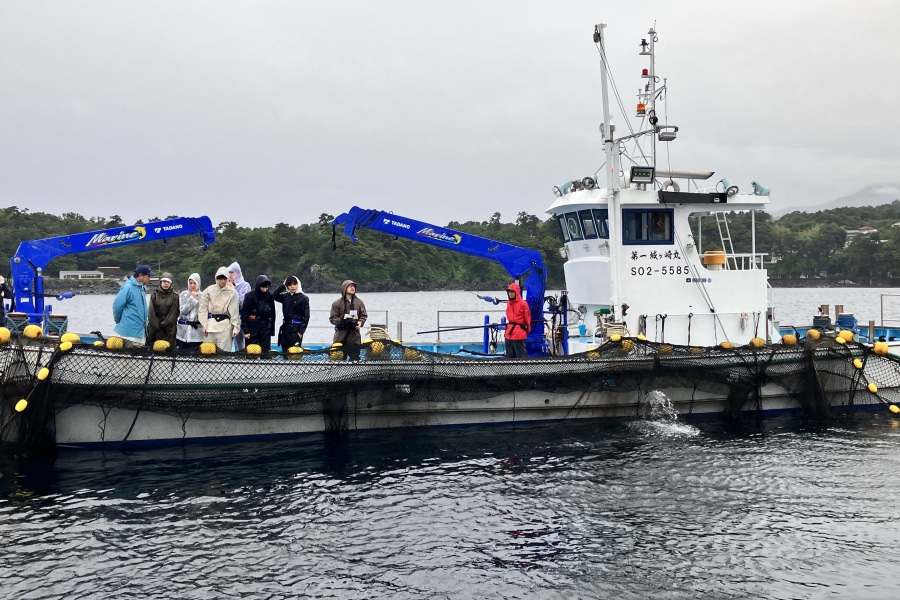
x=744, y=261
x=889, y=320
x=327, y=325
x=471, y=312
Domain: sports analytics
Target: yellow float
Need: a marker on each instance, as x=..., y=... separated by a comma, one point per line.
x=21, y=405
x=813, y=334
x=43, y=374
x=857, y=363
x=757, y=342
x=32, y=331
x=727, y=345
x=254, y=349
x=161, y=345
x=115, y=343
x=65, y=346
x=881, y=348
x=846, y=335
x=789, y=339
x=376, y=348
x=70, y=337
x=208, y=348
x=872, y=388
x=4, y=335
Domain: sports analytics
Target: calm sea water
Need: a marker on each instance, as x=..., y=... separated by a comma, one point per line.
x=782, y=508
x=778, y=509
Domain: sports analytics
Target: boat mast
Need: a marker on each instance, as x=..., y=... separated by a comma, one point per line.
x=651, y=87
x=612, y=176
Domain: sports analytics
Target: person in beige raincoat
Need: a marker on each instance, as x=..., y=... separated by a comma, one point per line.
x=218, y=314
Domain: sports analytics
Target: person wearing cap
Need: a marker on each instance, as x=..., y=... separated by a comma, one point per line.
x=258, y=315
x=218, y=312
x=130, y=307
x=189, y=333
x=163, y=313
x=295, y=309
x=348, y=315
x=6, y=294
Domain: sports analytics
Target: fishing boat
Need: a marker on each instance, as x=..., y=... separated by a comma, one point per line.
x=648, y=317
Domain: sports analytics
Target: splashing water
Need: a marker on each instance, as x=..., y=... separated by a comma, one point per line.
x=661, y=418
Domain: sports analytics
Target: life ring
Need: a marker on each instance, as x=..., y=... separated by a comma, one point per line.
x=674, y=185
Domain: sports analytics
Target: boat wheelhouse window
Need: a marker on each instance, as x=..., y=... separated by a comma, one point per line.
x=563, y=229
x=601, y=217
x=574, y=226
x=588, y=225
x=646, y=226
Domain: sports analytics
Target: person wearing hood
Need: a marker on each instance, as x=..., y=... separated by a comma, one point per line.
x=348, y=315
x=163, y=313
x=189, y=333
x=237, y=282
x=295, y=308
x=130, y=307
x=218, y=312
x=258, y=315
x=518, y=322
x=6, y=294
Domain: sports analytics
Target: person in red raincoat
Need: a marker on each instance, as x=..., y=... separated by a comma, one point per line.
x=518, y=322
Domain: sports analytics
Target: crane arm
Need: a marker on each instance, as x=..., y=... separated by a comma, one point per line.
x=33, y=256
x=525, y=265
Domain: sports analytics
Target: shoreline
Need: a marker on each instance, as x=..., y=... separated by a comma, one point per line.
x=112, y=286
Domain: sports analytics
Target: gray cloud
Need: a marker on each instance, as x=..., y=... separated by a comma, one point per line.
x=278, y=111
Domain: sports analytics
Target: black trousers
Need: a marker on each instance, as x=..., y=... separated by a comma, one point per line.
x=516, y=349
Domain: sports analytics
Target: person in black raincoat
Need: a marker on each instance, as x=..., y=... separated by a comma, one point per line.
x=258, y=315
x=295, y=305
x=6, y=295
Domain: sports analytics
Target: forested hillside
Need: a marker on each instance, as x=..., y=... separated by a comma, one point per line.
x=378, y=262
x=797, y=244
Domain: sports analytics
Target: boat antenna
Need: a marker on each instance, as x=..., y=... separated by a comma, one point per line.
x=612, y=168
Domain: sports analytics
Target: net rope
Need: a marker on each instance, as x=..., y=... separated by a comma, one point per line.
x=822, y=376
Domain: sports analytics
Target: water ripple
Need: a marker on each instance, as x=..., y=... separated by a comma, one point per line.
x=782, y=509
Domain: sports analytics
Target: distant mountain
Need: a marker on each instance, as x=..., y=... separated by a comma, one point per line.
x=872, y=195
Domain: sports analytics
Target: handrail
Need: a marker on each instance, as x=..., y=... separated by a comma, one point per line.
x=330, y=326
x=881, y=303
x=479, y=312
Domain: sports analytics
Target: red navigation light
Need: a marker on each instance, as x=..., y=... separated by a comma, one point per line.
x=645, y=73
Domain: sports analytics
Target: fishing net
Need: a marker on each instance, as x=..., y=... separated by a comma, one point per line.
x=822, y=377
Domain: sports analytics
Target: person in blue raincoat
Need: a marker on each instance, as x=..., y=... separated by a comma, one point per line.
x=130, y=307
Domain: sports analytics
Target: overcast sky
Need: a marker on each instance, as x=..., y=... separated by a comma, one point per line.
x=264, y=112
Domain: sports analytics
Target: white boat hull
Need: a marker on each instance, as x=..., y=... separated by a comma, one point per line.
x=101, y=397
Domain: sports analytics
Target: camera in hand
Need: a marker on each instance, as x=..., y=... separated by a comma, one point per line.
x=347, y=323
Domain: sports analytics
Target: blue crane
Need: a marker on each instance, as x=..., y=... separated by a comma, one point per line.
x=525, y=265
x=32, y=256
